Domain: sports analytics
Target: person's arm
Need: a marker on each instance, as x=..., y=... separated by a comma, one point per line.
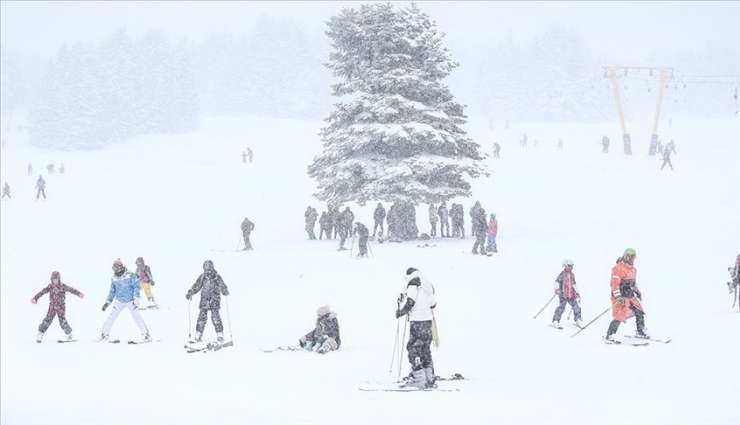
x=222, y=287
x=40, y=294
x=195, y=288
x=72, y=290
x=614, y=284
x=412, y=291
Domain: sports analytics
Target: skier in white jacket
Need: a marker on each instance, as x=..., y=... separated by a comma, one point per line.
x=419, y=304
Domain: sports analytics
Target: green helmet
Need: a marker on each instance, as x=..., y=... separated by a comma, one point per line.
x=630, y=251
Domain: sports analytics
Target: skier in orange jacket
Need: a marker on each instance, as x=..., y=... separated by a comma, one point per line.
x=625, y=295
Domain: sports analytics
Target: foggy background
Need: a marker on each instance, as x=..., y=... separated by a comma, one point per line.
x=81, y=75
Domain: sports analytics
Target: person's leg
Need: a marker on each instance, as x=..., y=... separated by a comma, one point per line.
x=63, y=322
x=576, y=309
x=559, y=310
x=218, y=325
x=116, y=309
x=47, y=321
x=138, y=319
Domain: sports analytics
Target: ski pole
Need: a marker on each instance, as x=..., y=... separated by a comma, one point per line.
x=352, y=245
x=190, y=325
x=592, y=320
x=370, y=250
x=228, y=316
x=545, y=306
x=400, y=352
x=395, y=346
x=238, y=244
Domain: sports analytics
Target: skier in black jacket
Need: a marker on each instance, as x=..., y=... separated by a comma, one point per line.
x=211, y=287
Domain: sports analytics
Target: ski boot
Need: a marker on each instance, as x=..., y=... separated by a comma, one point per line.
x=430, y=378
x=641, y=334
x=578, y=323
x=417, y=379
x=39, y=337
x=610, y=339
x=198, y=336
x=70, y=337
x=556, y=324
x=103, y=337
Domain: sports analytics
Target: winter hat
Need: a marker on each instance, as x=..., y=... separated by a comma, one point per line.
x=55, y=275
x=208, y=265
x=411, y=274
x=139, y=260
x=323, y=310
x=567, y=262
x=118, y=267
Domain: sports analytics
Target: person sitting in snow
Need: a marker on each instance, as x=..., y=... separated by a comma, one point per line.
x=325, y=335
x=57, y=305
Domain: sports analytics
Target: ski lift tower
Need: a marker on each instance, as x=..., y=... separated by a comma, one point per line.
x=614, y=72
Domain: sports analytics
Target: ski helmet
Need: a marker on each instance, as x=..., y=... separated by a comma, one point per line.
x=118, y=267
x=208, y=265
x=630, y=251
x=55, y=275
x=567, y=262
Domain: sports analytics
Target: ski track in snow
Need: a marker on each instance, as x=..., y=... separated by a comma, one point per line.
x=177, y=200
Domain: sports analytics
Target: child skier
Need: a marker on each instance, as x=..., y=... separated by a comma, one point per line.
x=211, y=286
x=626, y=296
x=57, y=305
x=325, y=335
x=565, y=288
x=146, y=282
x=124, y=294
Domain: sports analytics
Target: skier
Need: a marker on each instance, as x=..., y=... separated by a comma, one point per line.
x=480, y=228
x=40, y=187
x=345, y=220
x=565, y=289
x=30, y=169
x=393, y=223
x=419, y=306
x=625, y=295
x=496, y=150
x=433, y=220
x=124, y=294
x=325, y=335
x=6, y=191
x=492, y=232
x=523, y=141
x=363, y=233
x=379, y=217
x=444, y=222
x=50, y=168
x=324, y=227
x=669, y=149
x=734, y=285
x=250, y=154
x=310, y=216
x=560, y=144
x=455, y=220
x=144, y=273
x=61, y=168
x=211, y=287
x=474, y=212
x=333, y=216
x=604, y=144
x=57, y=305
x=247, y=227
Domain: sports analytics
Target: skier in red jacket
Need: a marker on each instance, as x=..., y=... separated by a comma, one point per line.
x=57, y=305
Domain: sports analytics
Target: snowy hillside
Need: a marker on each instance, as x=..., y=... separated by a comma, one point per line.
x=179, y=200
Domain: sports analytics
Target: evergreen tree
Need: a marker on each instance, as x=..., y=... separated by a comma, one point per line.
x=396, y=134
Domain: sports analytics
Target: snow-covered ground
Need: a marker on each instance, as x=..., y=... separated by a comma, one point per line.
x=178, y=200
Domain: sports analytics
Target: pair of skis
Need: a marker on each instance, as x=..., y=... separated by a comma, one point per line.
x=211, y=346
x=442, y=384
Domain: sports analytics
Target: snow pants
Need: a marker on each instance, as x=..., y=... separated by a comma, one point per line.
x=116, y=309
x=247, y=243
x=147, y=288
x=325, y=231
x=50, y=317
x=309, y=230
x=561, y=308
x=215, y=318
x=480, y=243
x=363, y=246
x=639, y=318
x=419, y=345
x=444, y=224
x=491, y=247
x=433, y=225
x=667, y=161
x=378, y=223
x=39, y=192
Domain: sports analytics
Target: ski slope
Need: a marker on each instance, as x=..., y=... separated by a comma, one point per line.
x=179, y=200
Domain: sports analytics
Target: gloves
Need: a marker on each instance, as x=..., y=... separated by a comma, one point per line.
x=33, y=300
x=82, y=295
x=105, y=305
x=398, y=314
x=400, y=298
x=151, y=283
x=188, y=296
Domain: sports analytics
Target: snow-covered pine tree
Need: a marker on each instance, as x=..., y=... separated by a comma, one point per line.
x=396, y=133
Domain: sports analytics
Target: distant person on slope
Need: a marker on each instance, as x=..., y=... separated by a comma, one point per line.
x=211, y=286
x=492, y=233
x=565, y=289
x=40, y=187
x=419, y=304
x=57, y=305
x=433, y=220
x=444, y=220
x=144, y=272
x=6, y=191
x=379, y=218
x=669, y=149
x=626, y=296
x=605, y=144
x=474, y=212
x=310, y=216
x=363, y=233
x=324, y=226
x=325, y=335
x=247, y=227
x=124, y=294
x=250, y=154
x=480, y=230
x=345, y=226
x=496, y=150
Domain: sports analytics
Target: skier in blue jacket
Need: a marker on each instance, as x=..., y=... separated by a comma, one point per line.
x=124, y=294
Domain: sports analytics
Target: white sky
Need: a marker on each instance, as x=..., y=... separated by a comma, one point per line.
x=619, y=31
